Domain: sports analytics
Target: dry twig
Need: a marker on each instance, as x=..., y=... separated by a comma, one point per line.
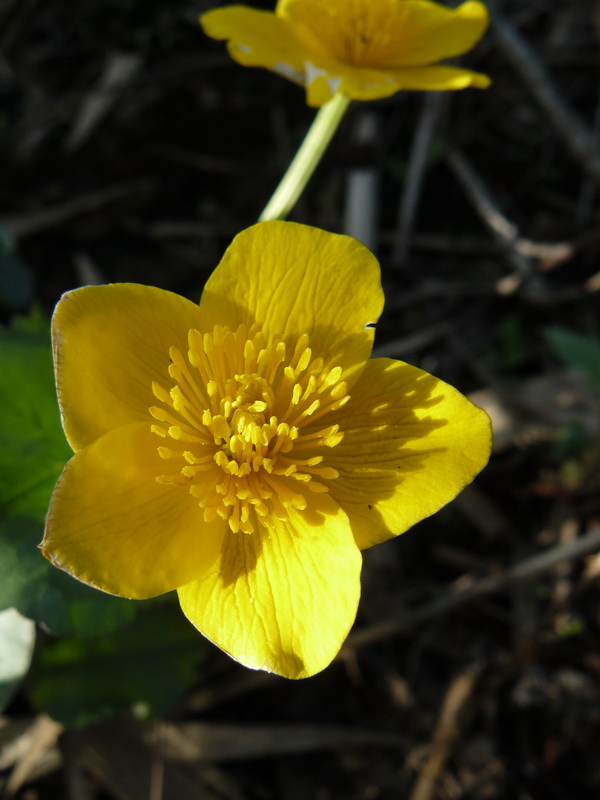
x=576, y=136
x=446, y=732
x=43, y=736
x=529, y=568
x=416, y=172
x=29, y=224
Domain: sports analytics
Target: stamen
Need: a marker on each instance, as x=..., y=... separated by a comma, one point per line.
x=239, y=417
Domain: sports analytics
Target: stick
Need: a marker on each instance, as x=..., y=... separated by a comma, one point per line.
x=576, y=136
x=446, y=732
x=527, y=569
x=417, y=166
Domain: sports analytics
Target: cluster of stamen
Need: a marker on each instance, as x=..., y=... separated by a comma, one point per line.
x=244, y=424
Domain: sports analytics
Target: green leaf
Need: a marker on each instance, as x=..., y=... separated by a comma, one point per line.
x=17, y=637
x=511, y=342
x=34, y=322
x=33, y=448
x=49, y=596
x=148, y=665
x=576, y=350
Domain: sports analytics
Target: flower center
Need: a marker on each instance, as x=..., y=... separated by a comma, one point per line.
x=248, y=424
x=361, y=36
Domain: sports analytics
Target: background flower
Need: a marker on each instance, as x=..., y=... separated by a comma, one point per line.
x=245, y=450
x=365, y=49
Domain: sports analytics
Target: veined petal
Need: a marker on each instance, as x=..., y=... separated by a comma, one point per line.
x=282, y=601
x=110, y=343
x=294, y=279
x=389, y=33
x=111, y=525
x=411, y=444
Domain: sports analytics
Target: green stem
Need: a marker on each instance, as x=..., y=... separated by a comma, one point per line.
x=306, y=159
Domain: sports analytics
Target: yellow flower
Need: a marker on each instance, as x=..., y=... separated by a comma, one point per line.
x=245, y=450
x=365, y=49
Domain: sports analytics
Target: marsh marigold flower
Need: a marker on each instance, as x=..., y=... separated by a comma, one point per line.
x=245, y=450
x=365, y=49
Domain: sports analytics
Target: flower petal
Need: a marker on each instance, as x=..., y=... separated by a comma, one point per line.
x=282, y=601
x=111, y=525
x=327, y=77
x=353, y=47
x=388, y=33
x=110, y=343
x=361, y=83
x=438, y=78
x=293, y=279
x=411, y=444
x=258, y=39
x=434, y=32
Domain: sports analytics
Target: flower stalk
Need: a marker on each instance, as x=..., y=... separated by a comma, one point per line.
x=307, y=158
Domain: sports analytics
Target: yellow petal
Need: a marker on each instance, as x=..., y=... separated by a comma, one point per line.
x=361, y=83
x=258, y=39
x=411, y=444
x=293, y=279
x=261, y=39
x=357, y=83
x=438, y=78
x=284, y=600
x=353, y=47
x=111, y=525
x=389, y=33
x=110, y=343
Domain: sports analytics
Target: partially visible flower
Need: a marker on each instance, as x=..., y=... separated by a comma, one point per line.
x=365, y=49
x=245, y=450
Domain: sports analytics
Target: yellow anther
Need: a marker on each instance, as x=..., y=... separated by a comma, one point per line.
x=235, y=416
x=258, y=406
x=160, y=393
x=304, y=360
x=166, y=452
x=220, y=428
x=221, y=459
x=312, y=407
